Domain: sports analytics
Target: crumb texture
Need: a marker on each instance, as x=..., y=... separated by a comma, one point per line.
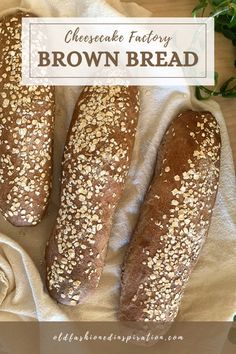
x=26, y=133
x=95, y=166
x=174, y=219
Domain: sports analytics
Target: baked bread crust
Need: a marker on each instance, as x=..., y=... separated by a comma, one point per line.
x=174, y=220
x=96, y=162
x=26, y=133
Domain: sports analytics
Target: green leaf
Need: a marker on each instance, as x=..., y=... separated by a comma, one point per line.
x=218, y=2
x=199, y=95
x=226, y=90
x=224, y=13
x=232, y=23
x=201, y=6
x=226, y=84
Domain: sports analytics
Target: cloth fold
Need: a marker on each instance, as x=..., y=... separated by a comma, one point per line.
x=4, y=285
x=211, y=293
x=21, y=288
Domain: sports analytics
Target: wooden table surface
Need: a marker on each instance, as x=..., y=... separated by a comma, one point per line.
x=224, y=54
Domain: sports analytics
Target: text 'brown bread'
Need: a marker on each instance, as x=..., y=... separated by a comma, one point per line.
x=26, y=133
x=174, y=220
x=96, y=162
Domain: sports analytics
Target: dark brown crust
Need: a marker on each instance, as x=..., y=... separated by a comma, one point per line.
x=174, y=220
x=26, y=133
x=96, y=162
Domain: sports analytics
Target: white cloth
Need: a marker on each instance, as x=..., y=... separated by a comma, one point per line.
x=211, y=292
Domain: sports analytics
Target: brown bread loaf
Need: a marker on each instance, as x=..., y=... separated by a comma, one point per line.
x=96, y=162
x=174, y=220
x=26, y=133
